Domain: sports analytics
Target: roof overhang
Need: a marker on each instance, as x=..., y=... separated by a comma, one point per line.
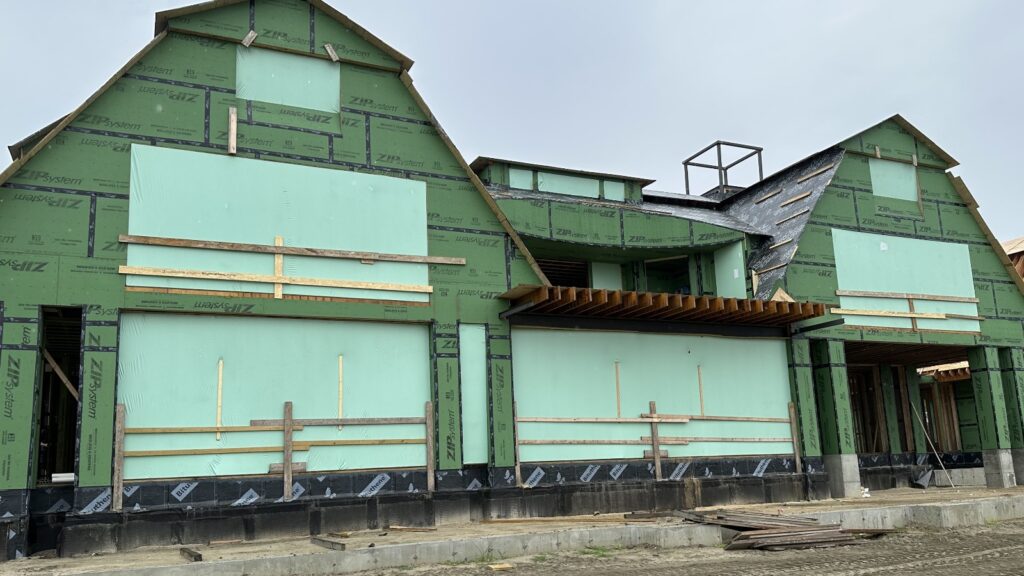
x=482, y=162
x=655, y=306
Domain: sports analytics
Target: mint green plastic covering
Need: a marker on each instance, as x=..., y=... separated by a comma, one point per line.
x=521, y=179
x=198, y=196
x=893, y=179
x=565, y=373
x=879, y=263
x=614, y=190
x=607, y=275
x=289, y=79
x=571, y=185
x=730, y=271
x=167, y=377
x=473, y=383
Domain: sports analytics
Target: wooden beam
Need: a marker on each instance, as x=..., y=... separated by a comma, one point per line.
x=821, y=170
x=700, y=389
x=299, y=422
x=307, y=444
x=330, y=52
x=890, y=313
x=232, y=130
x=618, y=391
x=286, y=466
x=795, y=199
x=117, y=484
x=301, y=446
x=643, y=419
x=655, y=446
x=905, y=296
x=646, y=442
x=341, y=389
x=206, y=429
x=670, y=418
x=771, y=194
x=792, y=216
x=690, y=439
x=278, y=268
x=278, y=467
x=287, y=250
x=429, y=425
x=60, y=374
x=516, y=440
x=270, y=279
x=249, y=38
x=795, y=433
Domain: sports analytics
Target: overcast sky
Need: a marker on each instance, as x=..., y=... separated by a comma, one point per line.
x=629, y=87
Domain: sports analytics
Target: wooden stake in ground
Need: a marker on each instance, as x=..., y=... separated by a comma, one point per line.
x=655, y=442
x=287, y=466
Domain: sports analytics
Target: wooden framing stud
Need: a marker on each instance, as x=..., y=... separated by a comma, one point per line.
x=286, y=466
x=429, y=425
x=794, y=431
x=232, y=130
x=117, y=483
x=279, y=269
x=655, y=444
x=516, y=440
x=700, y=388
x=341, y=389
x=331, y=52
x=618, y=391
x=60, y=374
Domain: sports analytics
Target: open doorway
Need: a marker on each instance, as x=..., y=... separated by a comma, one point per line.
x=58, y=414
x=868, y=410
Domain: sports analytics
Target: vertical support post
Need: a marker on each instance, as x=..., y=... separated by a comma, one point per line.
x=801, y=381
x=700, y=388
x=429, y=425
x=796, y=438
x=279, y=269
x=986, y=379
x=515, y=439
x=1011, y=360
x=287, y=467
x=916, y=407
x=655, y=441
x=832, y=390
x=220, y=394
x=232, y=130
x=892, y=422
x=117, y=489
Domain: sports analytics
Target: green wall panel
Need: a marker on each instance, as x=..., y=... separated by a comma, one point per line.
x=347, y=44
x=731, y=271
x=96, y=434
x=606, y=275
x=66, y=219
x=473, y=382
x=177, y=58
x=144, y=108
x=86, y=162
x=893, y=179
x=520, y=179
x=614, y=190
x=572, y=222
x=565, y=184
x=415, y=147
x=283, y=24
x=18, y=369
x=168, y=378
x=289, y=79
x=228, y=21
x=204, y=196
x=377, y=91
x=572, y=374
x=878, y=263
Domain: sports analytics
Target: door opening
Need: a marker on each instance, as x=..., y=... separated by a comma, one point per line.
x=58, y=415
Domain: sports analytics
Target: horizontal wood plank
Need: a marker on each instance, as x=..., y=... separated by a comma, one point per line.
x=271, y=279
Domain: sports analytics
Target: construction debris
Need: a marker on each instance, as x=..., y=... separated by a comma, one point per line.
x=770, y=531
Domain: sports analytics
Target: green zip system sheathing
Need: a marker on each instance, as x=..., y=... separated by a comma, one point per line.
x=892, y=424
x=832, y=391
x=801, y=381
x=62, y=212
x=184, y=194
x=174, y=369
x=587, y=374
x=941, y=213
x=916, y=410
x=1011, y=361
x=987, y=381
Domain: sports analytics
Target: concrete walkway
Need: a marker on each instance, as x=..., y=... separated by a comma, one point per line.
x=940, y=509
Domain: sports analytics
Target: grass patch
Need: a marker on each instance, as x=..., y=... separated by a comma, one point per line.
x=596, y=551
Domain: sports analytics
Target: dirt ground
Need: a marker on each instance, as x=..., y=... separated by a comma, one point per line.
x=46, y=563
x=993, y=550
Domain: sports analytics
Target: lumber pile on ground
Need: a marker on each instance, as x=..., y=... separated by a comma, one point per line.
x=772, y=532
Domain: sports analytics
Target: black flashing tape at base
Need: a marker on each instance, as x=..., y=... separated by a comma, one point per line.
x=949, y=460
x=107, y=532
x=15, y=531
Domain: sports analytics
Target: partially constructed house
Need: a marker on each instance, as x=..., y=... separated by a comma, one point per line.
x=250, y=287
